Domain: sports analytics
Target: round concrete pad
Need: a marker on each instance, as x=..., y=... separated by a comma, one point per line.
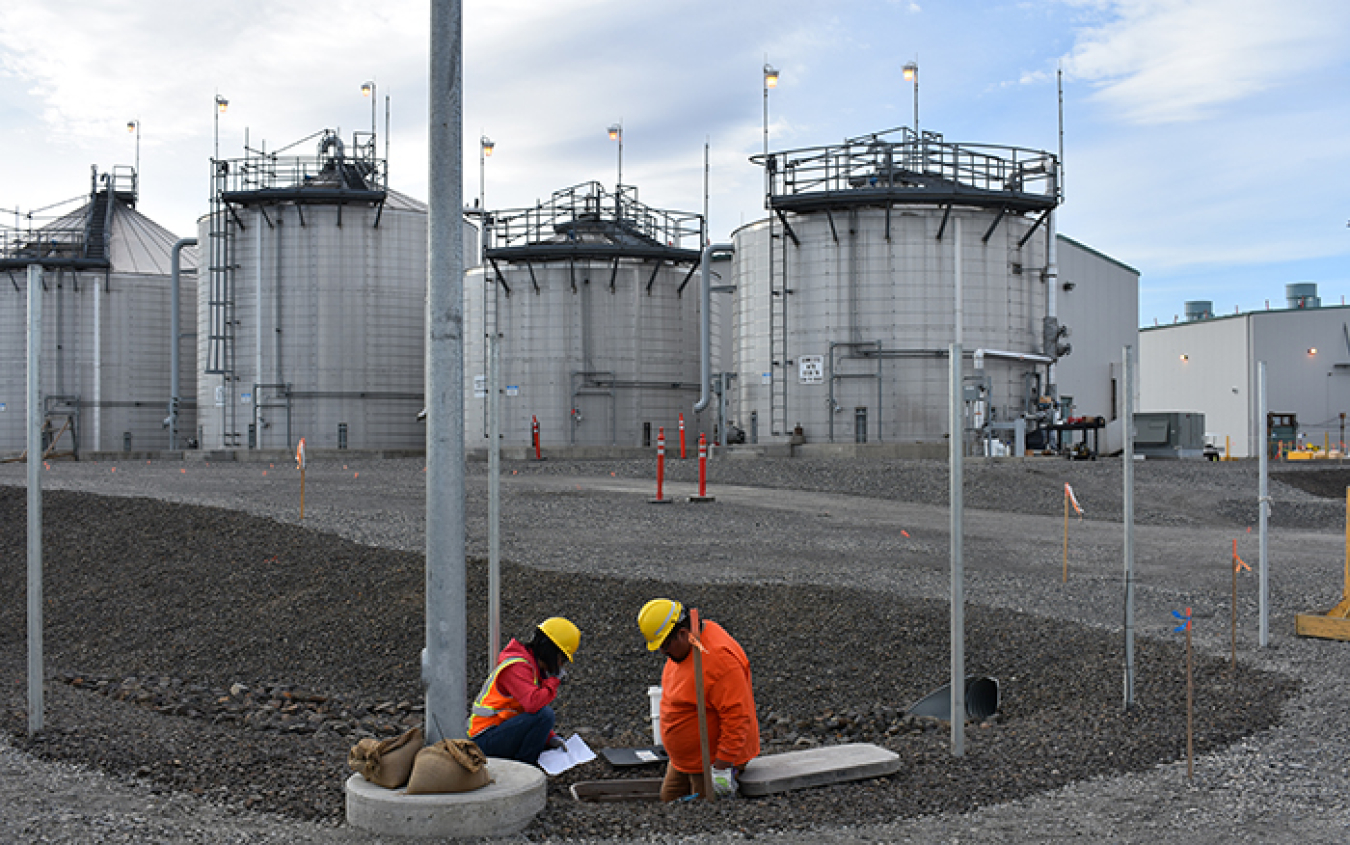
x=505, y=806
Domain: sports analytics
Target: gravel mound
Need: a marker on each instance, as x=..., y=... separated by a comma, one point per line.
x=212, y=652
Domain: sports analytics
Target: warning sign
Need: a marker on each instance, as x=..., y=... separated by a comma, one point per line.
x=811, y=369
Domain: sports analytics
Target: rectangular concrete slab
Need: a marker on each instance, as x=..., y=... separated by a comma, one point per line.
x=774, y=773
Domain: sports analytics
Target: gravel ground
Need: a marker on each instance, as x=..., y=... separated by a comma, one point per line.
x=210, y=661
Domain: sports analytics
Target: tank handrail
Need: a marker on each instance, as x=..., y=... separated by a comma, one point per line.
x=913, y=163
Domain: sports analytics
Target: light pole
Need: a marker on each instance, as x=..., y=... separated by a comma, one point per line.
x=616, y=134
x=135, y=126
x=221, y=105
x=368, y=90
x=911, y=70
x=491, y=323
x=770, y=81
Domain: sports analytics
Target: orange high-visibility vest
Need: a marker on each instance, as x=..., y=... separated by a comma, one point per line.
x=492, y=707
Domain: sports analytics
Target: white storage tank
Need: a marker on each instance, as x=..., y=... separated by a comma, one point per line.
x=106, y=321
x=846, y=293
x=595, y=300
x=311, y=310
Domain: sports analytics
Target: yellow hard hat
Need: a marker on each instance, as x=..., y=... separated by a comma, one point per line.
x=565, y=635
x=656, y=619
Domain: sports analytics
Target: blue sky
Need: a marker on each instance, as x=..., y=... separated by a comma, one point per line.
x=1205, y=140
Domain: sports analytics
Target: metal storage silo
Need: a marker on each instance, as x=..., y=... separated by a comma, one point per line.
x=107, y=338
x=594, y=298
x=311, y=311
x=845, y=294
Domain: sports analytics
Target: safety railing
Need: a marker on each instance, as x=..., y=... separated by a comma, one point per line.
x=575, y=211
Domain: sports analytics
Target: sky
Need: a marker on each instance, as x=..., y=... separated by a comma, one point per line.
x=1205, y=141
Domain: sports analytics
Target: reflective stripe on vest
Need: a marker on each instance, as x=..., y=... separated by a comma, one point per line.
x=484, y=711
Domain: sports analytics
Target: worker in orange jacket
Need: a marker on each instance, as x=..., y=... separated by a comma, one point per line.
x=511, y=717
x=729, y=701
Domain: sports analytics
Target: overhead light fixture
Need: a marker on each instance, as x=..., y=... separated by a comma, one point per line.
x=770, y=76
x=221, y=104
x=131, y=126
x=367, y=89
x=911, y=70
x=615, y=131
x=1312, y=350
x=487, y=145
x=1185, y=357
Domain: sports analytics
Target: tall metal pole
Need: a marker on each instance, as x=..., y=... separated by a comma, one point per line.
x=957, y=453
x=34, y=499
x=1127, y=473
x=444, y=663
x=1264, y=493
x=485, y=145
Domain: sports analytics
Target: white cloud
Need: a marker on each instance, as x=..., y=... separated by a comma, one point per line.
x=1164, y=61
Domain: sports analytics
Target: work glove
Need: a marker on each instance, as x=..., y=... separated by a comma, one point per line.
x=555, y=741
x=724, y=782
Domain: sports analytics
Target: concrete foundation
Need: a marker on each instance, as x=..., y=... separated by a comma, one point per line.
x=775, y=773
x=504, y=807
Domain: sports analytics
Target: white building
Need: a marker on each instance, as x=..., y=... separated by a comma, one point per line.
x=1098, y=300
x=1209, y=364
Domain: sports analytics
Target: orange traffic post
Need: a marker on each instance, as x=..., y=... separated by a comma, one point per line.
x=682, y=452
x=702, y=470
x=660, y=468
x=300, y=464
x=534, y=435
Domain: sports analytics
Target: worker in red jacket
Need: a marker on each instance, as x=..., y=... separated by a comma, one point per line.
x=511, y=717
x=729, y=701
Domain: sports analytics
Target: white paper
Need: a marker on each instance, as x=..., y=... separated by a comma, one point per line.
x=555, y=761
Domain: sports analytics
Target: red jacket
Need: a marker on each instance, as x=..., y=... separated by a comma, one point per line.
x=511, y=689
x=733, y=727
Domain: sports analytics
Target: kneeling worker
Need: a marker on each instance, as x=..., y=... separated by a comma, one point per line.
x=511, y=718
x=729, y=701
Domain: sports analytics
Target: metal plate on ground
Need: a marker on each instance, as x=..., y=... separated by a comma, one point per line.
x=634, y=756
x=629, y=789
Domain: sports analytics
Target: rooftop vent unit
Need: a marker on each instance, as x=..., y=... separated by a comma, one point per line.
x=1199, y=309
x=1302, y=295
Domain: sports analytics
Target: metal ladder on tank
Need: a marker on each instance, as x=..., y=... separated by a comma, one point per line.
x=781, y=365
x=220, y=347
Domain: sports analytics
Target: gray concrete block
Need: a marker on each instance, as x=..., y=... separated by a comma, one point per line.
x=775, y=773
x=504, y=807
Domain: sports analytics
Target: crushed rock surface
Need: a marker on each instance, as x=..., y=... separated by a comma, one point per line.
x=210, y=659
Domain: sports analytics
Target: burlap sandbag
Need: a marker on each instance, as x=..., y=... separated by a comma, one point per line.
x=386, y=762
x=451, y=765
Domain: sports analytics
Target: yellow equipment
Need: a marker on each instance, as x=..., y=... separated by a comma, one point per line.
x=1335, y=625
x=656, y=619
x=565, y=635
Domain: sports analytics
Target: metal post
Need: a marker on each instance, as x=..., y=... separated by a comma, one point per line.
x=444, y=663
x=1264, y=501
x=1127, y=473
x=957, y=450
x=34, y=499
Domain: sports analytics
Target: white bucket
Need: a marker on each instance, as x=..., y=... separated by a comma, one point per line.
x=654, y=696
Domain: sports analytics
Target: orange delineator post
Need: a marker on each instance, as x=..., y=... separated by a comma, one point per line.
x=682, y=452
x=660, y=467
x=702, y=465
x=534, y=433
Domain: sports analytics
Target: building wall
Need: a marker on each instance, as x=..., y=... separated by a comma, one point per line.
x=1098, y=299
x=1218, y=376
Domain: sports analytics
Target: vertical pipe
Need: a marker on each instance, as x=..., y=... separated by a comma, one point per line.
x=957, y=449
x=494, y=480
x=445, y=661
x=1127, y=473
x=34, y=499
x=98, y=361
x=175, y=336
x=1264, y=500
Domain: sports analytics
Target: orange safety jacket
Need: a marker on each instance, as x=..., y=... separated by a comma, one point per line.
x=512, y=688
x=733, y=727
